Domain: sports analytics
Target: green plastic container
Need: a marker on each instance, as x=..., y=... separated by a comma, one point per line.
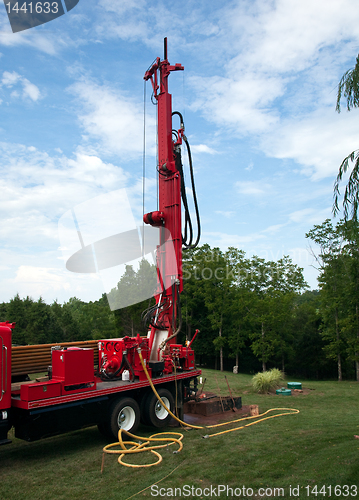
x=294, y=385
x=284, y=392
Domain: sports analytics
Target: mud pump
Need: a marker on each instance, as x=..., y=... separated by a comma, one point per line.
x=105, y=384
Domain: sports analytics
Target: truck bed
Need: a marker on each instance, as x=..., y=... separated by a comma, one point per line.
x=102, y=388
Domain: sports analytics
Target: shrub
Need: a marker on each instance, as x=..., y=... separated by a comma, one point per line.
x=264, y=382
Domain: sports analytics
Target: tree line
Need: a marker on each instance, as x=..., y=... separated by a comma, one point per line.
x=251, y=312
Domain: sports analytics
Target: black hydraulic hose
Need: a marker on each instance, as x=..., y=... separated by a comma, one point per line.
x=180, y=116
x=148, y=313
x=179, y=317
x=194, y=194
x=130, y=368
x=187, y=237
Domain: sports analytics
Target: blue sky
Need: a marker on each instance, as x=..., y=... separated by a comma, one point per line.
x=258, y=97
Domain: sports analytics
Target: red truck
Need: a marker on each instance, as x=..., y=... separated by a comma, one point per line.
x=75, y=395
x=108, y=386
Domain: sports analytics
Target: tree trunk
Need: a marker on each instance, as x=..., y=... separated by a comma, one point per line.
x=237, y=358
x=264, y=366
x=356, y=353
x=340, y=377
x=221, y=352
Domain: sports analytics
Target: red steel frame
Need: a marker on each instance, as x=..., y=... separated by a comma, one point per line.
x=168, y=217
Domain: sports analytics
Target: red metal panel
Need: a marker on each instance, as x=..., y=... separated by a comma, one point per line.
x=5, y=364
x=40, y=390
x=73, y=366
x=111, y=356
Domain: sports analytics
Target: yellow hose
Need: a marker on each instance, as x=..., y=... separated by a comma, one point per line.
x=139, y=448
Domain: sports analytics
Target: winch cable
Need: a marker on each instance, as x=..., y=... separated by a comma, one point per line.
x=139, y=448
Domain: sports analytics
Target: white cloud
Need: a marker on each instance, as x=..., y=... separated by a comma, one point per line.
x=318, y=142
x=122, y=7
x=252, y=188
x=29, y=90
x=51, y=282
x=287, y=35
x=9, y=79
x=48, y=40
x=241, y=103
x=275, y=229
x=48, y=44
x=278, y=83
x=37, y=189
x=114, y=120
x=310, y=216
x=250, y=166
x=40, y=276
x=202, y=148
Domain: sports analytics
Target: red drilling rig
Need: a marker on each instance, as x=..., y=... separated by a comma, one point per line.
x=106, y=385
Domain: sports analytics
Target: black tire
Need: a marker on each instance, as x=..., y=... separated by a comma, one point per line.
x=154, y=413
x=124, y=414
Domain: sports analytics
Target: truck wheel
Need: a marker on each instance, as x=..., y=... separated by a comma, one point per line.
x=124, y=414
x=155, y=414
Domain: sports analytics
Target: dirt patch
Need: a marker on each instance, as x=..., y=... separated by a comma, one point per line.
x=227, y=416
x=301, y=392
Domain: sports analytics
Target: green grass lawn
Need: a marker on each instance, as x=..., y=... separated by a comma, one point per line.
x=315, y=447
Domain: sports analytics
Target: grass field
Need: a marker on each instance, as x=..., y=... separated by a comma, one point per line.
x=297, y=453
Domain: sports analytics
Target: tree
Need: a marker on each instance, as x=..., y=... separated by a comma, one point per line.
x=194, y=309
x=210, y=271
x=349, y=89
x=210, y=300
x=69, y=326
x=350, y=233
x=274, y=287
x=18, y=311
x=132, y=296
x=339, y=283
x=43, y=326
x=308, y=344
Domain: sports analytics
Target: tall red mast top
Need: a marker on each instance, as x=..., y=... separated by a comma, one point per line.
x=168, y=215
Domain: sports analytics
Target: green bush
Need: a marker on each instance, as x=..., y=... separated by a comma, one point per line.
x=264, y=382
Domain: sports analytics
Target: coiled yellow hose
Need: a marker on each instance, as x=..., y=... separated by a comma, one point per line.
x=142, y=447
